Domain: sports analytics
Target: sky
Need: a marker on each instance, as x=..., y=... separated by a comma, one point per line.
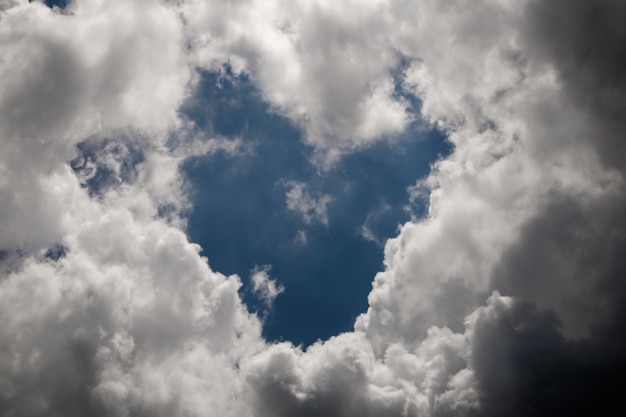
x=242, y=219
x=312, y=208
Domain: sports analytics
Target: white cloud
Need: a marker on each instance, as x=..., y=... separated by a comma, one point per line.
x=342, y=377
x=325, y=64
x=311, y=208
x=131, y=319
x=265, y=287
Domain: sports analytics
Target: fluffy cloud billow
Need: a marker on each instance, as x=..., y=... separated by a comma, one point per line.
x=505, y=299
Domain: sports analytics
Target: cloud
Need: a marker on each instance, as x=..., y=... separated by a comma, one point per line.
x=523, y=365
x=518, y=144
x=109, y=322
x=69, y=77
x=130, y=304
x=314, y=62
x=342, y=377
x=366, y=230
x=583, y=39
x=265, y=287
x=309, y=207
x=506, y=299
x=523, y=204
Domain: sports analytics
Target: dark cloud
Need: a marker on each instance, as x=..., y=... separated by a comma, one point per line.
x=570, y=262
x=570, y=259
x=524, y=366
x=559, y=351
x=585, y=41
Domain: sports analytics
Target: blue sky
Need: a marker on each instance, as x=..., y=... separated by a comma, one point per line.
x=241, y=220
x=59, y=3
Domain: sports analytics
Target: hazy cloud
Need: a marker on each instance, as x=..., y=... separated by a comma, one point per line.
x=311, y=208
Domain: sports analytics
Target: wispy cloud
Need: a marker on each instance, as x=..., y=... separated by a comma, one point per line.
x=264, y=287
x=311, y=208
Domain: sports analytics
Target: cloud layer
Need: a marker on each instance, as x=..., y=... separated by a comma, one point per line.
x=505, y=299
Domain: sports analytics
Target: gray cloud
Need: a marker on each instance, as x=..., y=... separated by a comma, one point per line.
x=569, y=257
x=524, y=366
x=584, y=40
x=569, y=260
x=309, y=206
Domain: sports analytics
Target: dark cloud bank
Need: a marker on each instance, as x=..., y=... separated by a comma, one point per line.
x=570, y=257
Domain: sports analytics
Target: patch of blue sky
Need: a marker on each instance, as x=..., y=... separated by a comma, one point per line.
x=241, y=219
x=57, y=3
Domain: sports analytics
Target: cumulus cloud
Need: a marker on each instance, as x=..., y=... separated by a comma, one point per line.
x=342, y=377
x=519, y=144
x=521, y=204
x=506, y=299
x=326, y=65
x=68, y=77
x=127, y=318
